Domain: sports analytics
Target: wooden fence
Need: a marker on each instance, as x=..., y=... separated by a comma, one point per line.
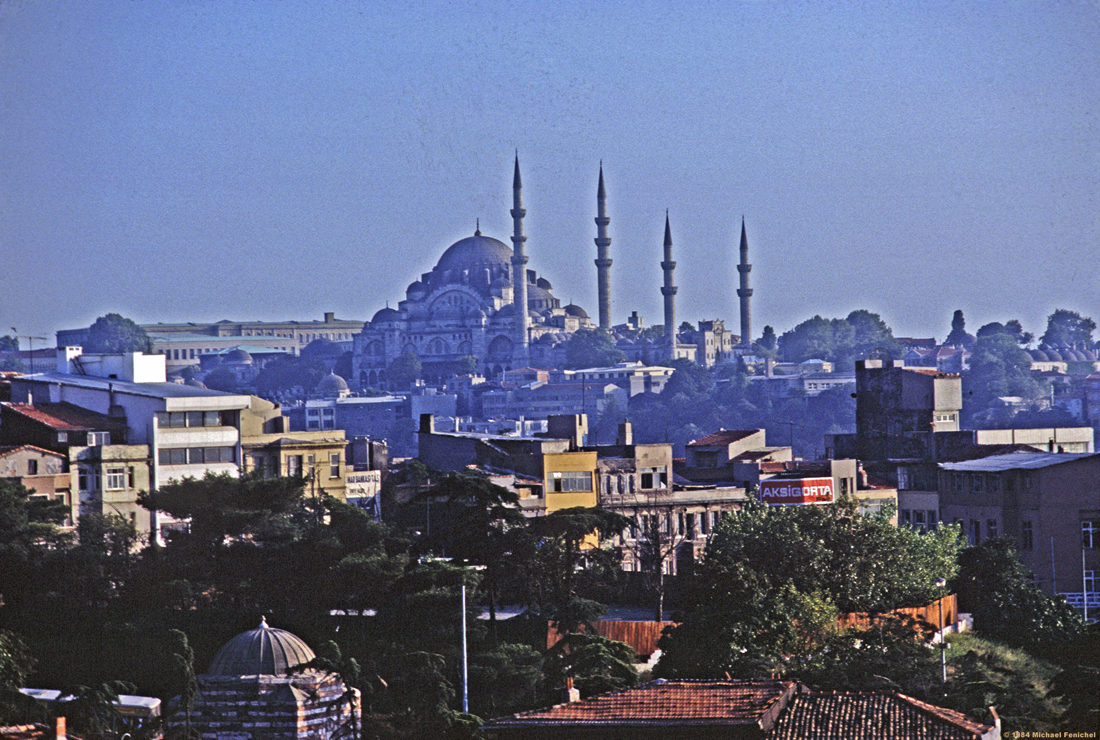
x=643, y=636
x=929, y=613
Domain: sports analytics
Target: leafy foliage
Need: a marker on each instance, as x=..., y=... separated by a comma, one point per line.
x=114, y=334
x=996, y=588
x=591, y=348
x=958, y=337
x=772, y=576
x=839, y=340
x=1069, y=327
x=596, y=665
x=404, y=370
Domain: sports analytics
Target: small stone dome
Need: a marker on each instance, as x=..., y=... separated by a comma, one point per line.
x=1054, y=355
x=544, y=284
x=1039, y=355
x=574, y=310
x=239, y=356
x=1090, y=356
x=264, y=651
x=385, y=315
x=332, y=383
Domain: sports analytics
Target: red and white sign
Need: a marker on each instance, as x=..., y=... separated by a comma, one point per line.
x=797, y=491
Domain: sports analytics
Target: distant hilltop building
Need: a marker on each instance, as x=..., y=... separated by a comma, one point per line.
x=462, y=314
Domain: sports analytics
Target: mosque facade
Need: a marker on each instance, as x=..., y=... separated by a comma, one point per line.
x=462, y=317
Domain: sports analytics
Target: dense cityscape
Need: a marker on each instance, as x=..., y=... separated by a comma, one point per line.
x=536, y=371
x=475, y=512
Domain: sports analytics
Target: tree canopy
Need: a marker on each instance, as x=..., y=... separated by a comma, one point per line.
x=591, y=348
x=114, y=334
x=838, y=340
x=772, y=575
x=1069, y=327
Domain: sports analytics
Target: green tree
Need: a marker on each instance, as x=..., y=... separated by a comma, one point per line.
x=221, y=379
x=998, y=367
x=1069, y=327
x=768, y=344
x=290, y=373
x=958, y=337
x=115, y=334
x=482, y=527
x=997, y=589
x=404, y=371
x=591, y=348
x=769, y=572
x=596, y=664
x=9, y=343
x=183, y=659
x=16, y=663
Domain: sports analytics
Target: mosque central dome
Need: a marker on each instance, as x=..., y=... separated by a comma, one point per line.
x=264, y=651
x=475, y=251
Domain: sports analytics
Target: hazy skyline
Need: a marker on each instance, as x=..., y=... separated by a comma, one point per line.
x=193, y=160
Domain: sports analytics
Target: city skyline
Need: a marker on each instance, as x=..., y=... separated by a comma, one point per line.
x=178, y=162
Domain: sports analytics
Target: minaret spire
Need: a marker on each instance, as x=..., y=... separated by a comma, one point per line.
x=519, y=270
x=603, y=259
x=669, y=292
x=745, y=292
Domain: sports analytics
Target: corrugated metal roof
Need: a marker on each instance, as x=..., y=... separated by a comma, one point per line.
x=1016, y=461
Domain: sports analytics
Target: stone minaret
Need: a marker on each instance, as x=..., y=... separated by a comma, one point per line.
x=745, y=292
x=519, y=270
x=603, y=260
x=669, y=292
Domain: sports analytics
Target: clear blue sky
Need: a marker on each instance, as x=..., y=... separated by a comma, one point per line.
x=179, y=160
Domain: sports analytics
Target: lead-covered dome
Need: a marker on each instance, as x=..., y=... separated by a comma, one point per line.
x=264, y=651
x=473, y=252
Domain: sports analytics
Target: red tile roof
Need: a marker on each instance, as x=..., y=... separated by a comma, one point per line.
x=64, y=416
x=872, y=716
x=724, y=437
x=6, y=450
x=671, y=703
x=778, y=710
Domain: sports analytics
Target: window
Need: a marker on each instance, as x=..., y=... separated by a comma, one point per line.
x=1010, y=483
x=680, y=528
x=1027, y=537
x=1090, y=534
x=96, y=439
x=704, y=523
x=32, y=467
x=116, y=479
x=691, y=526
x=334, y=465
x=906, y=517
x=976, y=482
x=933, y=518
x=918, y=519
x=62, y=438
x=565, y=482
x=653, y=478
x=130, y=476
x=1025, y=481
x=294, y=465
x=975, y=535
x=959, y=482
x=990, y=528
x=310, y=463
x=994, y=484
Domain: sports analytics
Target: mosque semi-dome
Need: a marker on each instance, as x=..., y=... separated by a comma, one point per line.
x=474, y=251
x=264, y=651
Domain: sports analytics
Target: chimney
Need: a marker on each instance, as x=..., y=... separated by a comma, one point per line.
x=330, y=317
x=572, y=695
x=626, y=434
x=427, y=424
x=60, y=733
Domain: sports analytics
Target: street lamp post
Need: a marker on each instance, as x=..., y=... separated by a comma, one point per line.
x=941, y=583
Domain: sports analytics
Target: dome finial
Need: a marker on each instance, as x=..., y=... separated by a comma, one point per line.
x=263, y=622
x=477, y=229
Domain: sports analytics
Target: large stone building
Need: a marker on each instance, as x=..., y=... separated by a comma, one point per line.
x=461, y=316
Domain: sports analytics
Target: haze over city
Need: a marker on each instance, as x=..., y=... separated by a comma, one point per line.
x=198, y=161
